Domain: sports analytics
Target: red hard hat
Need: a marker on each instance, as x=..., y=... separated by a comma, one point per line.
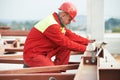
x=69, y=8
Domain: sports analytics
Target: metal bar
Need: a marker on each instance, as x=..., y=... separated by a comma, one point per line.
x=108, y=68
x=86, y=71
x=13, y=32
x=109, y=74
x=38, y=76
x=40, y=69
x=14, y=49
x=13, y=61
x=11, y=56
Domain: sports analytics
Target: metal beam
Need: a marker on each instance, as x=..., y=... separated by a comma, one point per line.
x=13, y=32
x=38, y=76
x=41, y=69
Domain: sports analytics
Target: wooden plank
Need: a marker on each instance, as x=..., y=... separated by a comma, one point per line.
x=13, y=32
x=40, y=69
x=38, y=76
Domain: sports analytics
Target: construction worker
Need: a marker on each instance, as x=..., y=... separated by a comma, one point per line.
x=50, y=37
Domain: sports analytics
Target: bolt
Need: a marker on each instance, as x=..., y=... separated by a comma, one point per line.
x=52, y=78
x=87, y=61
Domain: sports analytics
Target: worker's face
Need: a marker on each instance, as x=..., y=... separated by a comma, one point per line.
x=66, y=19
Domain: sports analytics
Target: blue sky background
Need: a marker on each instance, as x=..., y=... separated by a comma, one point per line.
x=38, y=9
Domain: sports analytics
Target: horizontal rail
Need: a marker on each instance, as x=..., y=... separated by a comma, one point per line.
x=14, y=49
x=38, y=76
x=14, y=32
x=40, y=69
x=12, y=56
x=12, y=61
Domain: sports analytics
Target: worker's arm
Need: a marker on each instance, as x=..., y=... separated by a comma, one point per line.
x=54, y=34
x=77, y=38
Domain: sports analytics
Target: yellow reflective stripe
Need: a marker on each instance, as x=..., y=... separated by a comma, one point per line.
x=45, y=23
x=63, y=30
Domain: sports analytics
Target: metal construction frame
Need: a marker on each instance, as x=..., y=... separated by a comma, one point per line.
x=105, y=67
x=92, y=67
x=35, y=73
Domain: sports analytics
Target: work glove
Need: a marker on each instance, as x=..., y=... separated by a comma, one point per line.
x=91, y=47
x=92, y=41
x=100, y=44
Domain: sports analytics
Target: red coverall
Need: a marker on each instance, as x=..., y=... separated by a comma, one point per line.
x=41, y=46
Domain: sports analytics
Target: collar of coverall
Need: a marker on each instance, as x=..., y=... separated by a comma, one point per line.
x=61, y=23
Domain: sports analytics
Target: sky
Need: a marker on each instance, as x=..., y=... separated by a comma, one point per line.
x=38, y=9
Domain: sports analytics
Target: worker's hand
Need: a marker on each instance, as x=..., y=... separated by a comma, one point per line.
x=100, y=44
x=92, y=41
x=91, y=47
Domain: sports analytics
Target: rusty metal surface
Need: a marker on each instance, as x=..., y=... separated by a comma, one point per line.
x=38, y=76
x=109, y=74
x=10, y=49
x=86, y=72
x=11, y=61
x=104, y=68
x=41, y=69
x=108, y=68
x=13, y=32
x=88, y=61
